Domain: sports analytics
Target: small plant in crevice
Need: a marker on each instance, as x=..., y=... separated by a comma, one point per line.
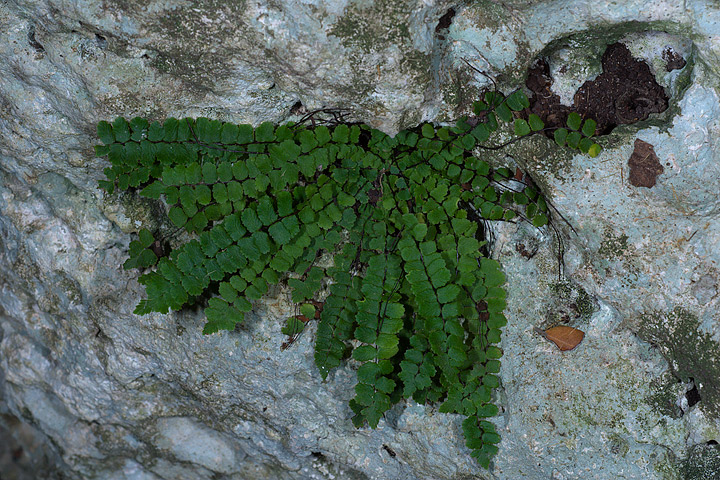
x=411, y=296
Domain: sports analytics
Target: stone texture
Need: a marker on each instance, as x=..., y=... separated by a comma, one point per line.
x=106, y=394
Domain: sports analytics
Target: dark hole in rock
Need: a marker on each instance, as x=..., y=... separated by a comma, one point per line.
x=625, y=92
x=445, y=22
x=644, y=165
x=33, y=41
x=673, y=60
x=364, y=139
x=711, y=442
x=527, y=251
x=17, y=454
x=390, y=451
x=297, y=108
x=692, y=395
x=101, y=41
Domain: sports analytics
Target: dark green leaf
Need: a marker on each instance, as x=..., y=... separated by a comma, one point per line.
x=585, y=144
x=245, y=134
x=105, y=133
x=220, y=193
x=279, y=233
x=146, y=238
x=138, y=126
x=468, y=142
x=488, y=410
x=177, y=216
x=155, y=132
x=479, y=107
x=588, y=128
x=265, y=132
x=341, y=134
x=517, y=101
x=250, y=220
x=521, y=127
x=539, y=220
x=573, y=121
x=481, y=132
x=224, y=172
x=170, y=129
x=536, y=124
x=560, y=136
x=428, y=131
x=293, y=326
x=364, y=353
x=209, y=172
x=183, y=131
x=121, y=130
x=154, y=190
x=573, y=139
x=322, y=134
x=503, y=112
x=229, y=133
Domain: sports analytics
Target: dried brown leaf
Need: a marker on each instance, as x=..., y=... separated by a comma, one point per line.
x=564, y=337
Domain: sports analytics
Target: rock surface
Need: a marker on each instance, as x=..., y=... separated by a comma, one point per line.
x=102, y=393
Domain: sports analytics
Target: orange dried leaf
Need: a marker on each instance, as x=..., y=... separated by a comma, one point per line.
x=566, y=338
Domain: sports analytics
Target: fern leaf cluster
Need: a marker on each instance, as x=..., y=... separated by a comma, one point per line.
x=412, y=299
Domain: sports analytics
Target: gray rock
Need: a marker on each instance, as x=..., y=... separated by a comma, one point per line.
x=102, y=393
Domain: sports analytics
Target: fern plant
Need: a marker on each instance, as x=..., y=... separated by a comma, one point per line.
x=411, y=298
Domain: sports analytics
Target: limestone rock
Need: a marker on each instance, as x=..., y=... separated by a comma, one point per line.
x=105, y=394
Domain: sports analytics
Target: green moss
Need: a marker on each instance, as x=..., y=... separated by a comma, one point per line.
x=625, y=410
x=70, y=287
x=459, y=92
x=613, y=246
x=667, y=390
x=667, y=466
x=489, y=14
x=571, y=302
x=25, y=268
x=596, y=409
x=366, y=31
x=190, y=44
x=703, y=463
x=618, y=445
x=598, y=36
x=198, y=69
x=374, y=27
x=690, y=352
x=27, y=415
x=585, y=304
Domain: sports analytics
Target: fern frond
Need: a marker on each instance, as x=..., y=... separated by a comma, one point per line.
x=411, y=297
